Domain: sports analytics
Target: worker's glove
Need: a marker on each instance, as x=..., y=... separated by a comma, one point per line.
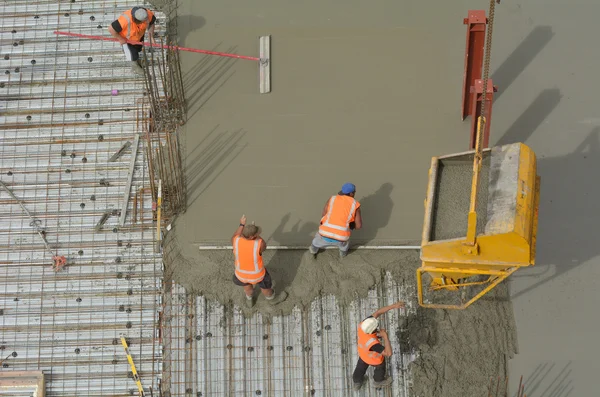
x=352, y=225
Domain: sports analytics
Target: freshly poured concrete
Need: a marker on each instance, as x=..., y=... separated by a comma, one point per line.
x=360, y=93
x=452, y=197
x=368, y=92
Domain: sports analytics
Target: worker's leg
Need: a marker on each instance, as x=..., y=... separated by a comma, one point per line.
x=266, y=286
x=379, y=373
x=379, y=379
x=360, y=370
x=132, y=54
x=248, y=290
x=317, y=243
x=344, y=247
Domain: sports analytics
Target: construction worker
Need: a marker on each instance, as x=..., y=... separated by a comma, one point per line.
x=340, y=216
x=248, y=248
x=131, y=26
x=371, y=351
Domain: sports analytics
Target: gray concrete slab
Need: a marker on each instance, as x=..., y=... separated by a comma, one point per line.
x=551, y=106
x=368, y=92
x=360, y=93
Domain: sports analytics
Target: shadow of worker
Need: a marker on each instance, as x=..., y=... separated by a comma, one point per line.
x=376, y=210
x=284, y=264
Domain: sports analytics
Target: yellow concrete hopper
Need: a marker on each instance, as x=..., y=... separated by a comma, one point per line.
x=477, y=230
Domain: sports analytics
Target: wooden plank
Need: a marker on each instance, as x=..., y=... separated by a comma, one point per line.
x=127, y=192
x=264, y=64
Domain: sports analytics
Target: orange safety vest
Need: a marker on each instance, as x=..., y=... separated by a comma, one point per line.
x=336, y=222
x=130, y=30
x=249, y=266
x=365, y=342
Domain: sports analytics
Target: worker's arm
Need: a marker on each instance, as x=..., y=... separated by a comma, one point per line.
x=115, y=34
x=387, y=351
x=357, y=220
x=324, y=212
x=238, y=231
x=263, y=246
x=383, y=310
x=151, y=34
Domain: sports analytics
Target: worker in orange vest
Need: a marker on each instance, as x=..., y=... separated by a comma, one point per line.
x=371, y=351
x=248, y=248
x=131, y=26
x=340, y=216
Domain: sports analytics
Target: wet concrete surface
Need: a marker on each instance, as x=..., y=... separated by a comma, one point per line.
x=368, y=92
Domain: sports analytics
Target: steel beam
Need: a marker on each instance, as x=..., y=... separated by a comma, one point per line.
x=476, y=25
x=476, y=98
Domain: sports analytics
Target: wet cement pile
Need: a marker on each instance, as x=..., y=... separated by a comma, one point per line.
x=458, y=351
x=294, y=271
x=453, y=196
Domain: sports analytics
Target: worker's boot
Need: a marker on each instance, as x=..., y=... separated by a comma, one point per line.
x=343, y=254
x=386, y=382
x=277, y=298
x=249, y=301
x=136, y=68
x=358, y=386
x=313, y=250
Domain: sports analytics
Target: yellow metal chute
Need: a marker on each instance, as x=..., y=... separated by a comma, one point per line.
x=481, y=216
x=462, y=251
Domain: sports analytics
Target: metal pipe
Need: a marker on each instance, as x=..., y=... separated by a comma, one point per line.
x=285, y=247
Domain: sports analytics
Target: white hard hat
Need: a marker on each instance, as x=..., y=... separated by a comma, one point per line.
x=140, y=14
x=369, y=325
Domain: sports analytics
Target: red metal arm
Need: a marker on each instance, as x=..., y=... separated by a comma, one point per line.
x=221, y=54
x=476, y=25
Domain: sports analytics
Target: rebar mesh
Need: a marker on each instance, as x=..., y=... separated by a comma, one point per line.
x=214, y=350
x=68, y=106
x=165, y=112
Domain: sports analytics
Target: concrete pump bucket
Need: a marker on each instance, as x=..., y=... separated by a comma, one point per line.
x=507, y=207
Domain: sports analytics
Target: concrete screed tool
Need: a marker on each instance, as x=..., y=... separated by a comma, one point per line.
x=475, y=238
x=264, y=58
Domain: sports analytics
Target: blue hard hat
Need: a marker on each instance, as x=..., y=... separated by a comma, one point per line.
x=348, y=188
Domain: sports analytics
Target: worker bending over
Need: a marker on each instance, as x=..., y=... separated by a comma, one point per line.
x=248, y=248
x=131, y=26
x=340, y=216
x=371, y=351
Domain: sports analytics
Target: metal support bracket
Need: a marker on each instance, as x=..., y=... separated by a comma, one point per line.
x=120, y=152
x=477, y=97
x=134, y=151
x=476, y=25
